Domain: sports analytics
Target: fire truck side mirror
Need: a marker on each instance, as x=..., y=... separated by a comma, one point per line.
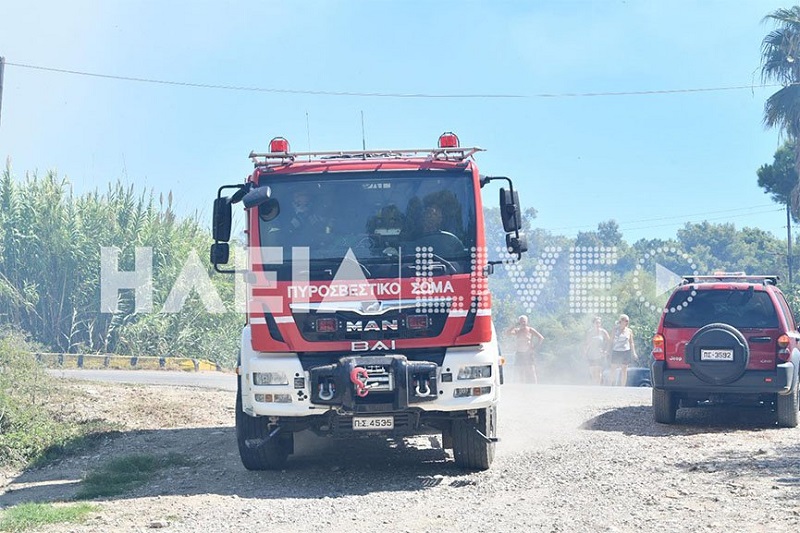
x=516, y=244
x=221, y=223
x=256, y=197
x=220, y=253
x=510, y=211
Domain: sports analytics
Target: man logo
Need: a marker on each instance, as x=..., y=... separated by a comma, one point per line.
x=372, y=325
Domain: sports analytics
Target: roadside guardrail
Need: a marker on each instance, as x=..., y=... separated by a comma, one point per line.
x=125, y=362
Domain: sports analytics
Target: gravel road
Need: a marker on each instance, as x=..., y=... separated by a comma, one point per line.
x=570, y=458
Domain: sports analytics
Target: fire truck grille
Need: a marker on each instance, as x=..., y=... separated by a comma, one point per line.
x=354, y=327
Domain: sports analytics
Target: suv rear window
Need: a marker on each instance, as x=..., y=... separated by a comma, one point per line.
x=739, y=308
x=786, y=311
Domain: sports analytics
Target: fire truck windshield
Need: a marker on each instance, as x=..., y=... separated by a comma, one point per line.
x=383, y=218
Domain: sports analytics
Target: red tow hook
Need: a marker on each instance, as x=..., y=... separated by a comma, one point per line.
x=359, y=378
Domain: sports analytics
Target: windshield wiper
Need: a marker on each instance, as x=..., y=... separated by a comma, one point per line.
x=328, y=264
x=440, y=262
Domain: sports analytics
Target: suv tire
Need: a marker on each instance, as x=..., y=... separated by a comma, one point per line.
x=665, y=406
x=719, y=336
x=788, y=406
x=269, y=455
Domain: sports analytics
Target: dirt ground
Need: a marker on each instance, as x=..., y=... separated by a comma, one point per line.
x=570, y=458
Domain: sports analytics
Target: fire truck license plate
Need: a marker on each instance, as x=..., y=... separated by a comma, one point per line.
x=716, y=355
x=373, y=423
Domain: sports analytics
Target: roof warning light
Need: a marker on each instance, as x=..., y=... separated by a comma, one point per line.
x=448, y=139
x=279, y=145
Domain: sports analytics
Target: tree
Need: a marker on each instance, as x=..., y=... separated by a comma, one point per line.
x=778, y=180
x=609, y=233
x=780, y=62
x=51, y=244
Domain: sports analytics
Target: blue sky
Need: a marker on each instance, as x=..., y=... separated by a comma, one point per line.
x=651, y=162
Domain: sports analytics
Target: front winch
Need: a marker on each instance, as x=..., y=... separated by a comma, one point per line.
x=365, y=383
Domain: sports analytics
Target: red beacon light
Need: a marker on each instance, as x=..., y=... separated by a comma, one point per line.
x=448, y=140
x=279, y=145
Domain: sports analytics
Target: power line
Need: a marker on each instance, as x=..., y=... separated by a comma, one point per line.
x=625, y=226
x=656, y=219
x=227, y=87
x=704, y=220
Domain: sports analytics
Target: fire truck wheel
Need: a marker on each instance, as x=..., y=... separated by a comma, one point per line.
x=256, y=450
x=447, y=440
x=473, y=440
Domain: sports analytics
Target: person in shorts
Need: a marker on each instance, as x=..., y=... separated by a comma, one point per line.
x=525, y=339
x=595, y=349
x=623, y=351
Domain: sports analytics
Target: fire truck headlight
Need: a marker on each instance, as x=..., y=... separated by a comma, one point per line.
x=475, y=372
x=270, y=378
x=275, y=398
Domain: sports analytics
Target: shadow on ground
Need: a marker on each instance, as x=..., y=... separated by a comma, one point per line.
x=780, y=465
x=726, y=455
x=320, y=467
x=638, y=420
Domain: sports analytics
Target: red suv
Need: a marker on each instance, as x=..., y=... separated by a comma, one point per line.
x=726, y=338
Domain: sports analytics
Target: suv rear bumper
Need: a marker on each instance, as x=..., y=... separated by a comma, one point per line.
x=752, y=381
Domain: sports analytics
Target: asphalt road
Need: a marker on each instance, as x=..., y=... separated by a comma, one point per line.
x=210, y=380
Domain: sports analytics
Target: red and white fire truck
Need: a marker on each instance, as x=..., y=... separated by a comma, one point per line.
x=368, y=311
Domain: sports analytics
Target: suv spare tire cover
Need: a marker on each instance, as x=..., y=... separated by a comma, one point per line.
x=718, y=337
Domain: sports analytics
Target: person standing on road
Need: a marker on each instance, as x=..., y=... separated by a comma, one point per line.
x=623, y=351
x=595, y=349
x=526, y=339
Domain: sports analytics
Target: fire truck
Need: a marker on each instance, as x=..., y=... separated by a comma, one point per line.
x=368, y=311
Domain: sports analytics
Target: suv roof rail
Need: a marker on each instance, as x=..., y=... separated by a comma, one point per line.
x=765, y=280
x=447, y=154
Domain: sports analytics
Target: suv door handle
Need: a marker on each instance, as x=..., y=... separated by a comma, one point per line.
x=760, y=339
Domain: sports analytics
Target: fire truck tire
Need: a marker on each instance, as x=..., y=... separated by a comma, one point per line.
x=269, y=455
x=788, y=406
x=473, y=444
x=447, y=440
x=665, y=406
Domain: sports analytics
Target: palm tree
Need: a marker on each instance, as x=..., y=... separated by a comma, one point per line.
x=780, y=62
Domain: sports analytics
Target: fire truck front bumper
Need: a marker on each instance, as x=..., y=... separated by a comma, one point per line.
x=277, y=384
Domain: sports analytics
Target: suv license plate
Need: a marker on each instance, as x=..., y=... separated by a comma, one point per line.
x=373, y=423
x=716, y=355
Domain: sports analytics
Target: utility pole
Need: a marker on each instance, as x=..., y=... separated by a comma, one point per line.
x=2, y=67
x=789, y=241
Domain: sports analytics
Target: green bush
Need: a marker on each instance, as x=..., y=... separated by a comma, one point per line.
x=22, y=425
x=29, y=429
x=123, y=474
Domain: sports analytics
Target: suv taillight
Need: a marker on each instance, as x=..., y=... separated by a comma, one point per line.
x=783, y=348
x=658, y=347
